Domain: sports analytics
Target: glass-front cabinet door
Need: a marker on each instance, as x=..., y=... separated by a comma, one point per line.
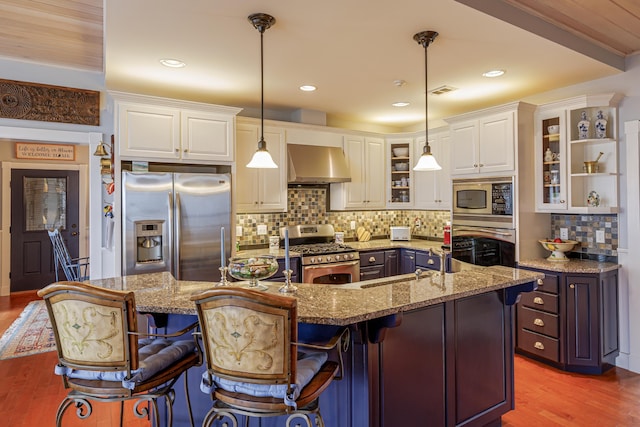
x=550, y=161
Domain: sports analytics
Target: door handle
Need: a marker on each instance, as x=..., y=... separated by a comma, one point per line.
x=74, y=233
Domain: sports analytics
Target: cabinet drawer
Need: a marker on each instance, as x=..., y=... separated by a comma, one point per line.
x=540, y=301
x=424, y=260
x=538, y=321
x=540, y=345
x=371, y=258
x=549, y=284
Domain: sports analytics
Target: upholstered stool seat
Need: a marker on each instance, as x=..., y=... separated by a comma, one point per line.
x=103, y=357
x=254, y=366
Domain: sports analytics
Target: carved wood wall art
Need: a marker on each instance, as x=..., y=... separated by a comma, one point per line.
x=33, y=101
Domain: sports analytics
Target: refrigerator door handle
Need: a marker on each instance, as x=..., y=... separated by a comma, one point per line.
x=176, y=237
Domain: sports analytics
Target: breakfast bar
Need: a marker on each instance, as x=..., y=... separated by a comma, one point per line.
x=435, y=348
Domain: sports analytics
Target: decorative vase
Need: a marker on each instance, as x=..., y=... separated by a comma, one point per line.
x=583, y=126
x=601, y=125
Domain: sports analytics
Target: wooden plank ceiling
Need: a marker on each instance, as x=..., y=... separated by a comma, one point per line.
x=611, y=24
x=70, y=32
x=66, y=33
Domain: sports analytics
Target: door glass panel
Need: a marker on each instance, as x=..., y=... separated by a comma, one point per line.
x=45, y=203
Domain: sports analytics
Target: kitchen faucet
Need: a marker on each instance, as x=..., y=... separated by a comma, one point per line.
x=442, y=254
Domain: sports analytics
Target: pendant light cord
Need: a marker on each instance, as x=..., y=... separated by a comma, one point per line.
x=262, y=141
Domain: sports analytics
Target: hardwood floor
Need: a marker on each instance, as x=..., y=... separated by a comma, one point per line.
x=30, y=392
x=550, y=397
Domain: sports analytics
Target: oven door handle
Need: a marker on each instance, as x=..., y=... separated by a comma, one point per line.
x=486, y=230
x=337, y=264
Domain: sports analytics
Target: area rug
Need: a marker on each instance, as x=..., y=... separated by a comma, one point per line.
x=30, y=333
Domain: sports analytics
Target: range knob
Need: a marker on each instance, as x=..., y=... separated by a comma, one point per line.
x=338, y=257
x=312, y=260
x=319, y=259
x=329, y=259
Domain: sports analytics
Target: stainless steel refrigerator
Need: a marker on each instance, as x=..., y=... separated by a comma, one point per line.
x=172, y=222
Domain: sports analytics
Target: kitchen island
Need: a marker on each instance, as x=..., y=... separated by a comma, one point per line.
x=433, y=350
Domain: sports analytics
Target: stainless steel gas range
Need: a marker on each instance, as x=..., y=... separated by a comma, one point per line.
x=323, y=260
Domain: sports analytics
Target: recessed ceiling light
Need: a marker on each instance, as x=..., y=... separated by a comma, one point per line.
x=173, y=63
x=308, y=88
x=400, y=104
x=493, y=73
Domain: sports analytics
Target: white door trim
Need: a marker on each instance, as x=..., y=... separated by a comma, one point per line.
x=89, y=189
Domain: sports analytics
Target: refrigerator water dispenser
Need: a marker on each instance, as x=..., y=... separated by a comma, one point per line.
x=149, y=241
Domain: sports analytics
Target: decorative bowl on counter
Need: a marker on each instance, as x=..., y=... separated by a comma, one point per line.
x=401, y=151
x=253, y=268
x=558, y=249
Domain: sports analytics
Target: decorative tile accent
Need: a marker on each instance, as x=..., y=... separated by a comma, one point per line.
x=582, y=228
x=309, y=206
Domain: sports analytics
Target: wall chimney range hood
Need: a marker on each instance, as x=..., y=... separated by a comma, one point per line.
x=312, y=164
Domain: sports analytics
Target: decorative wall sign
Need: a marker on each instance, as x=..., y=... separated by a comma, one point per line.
x=33, y=101
x=31, y=151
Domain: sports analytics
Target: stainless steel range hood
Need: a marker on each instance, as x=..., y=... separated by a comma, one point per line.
x=312, y=164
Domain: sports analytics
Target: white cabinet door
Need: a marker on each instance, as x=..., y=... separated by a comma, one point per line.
x=148, y=131
x=464, y=148
x=433, y=188
x=497, y=143
x=366, y=190
x=259, y=190
x=374, y=176
x=207, y=136
x=355, y=191
x=550, y=161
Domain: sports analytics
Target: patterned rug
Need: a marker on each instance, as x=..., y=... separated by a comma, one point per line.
x=30, y=333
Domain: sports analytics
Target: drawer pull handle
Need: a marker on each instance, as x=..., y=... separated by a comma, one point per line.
x=538, y=322
x=540, y=282
x=539, y=345
x=538, y=300
x=430, y=262
x=372, y=259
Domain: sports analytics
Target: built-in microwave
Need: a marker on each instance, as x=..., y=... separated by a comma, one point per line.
x=487, y=200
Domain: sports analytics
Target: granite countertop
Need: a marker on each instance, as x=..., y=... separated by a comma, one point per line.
x=333, y=304
x=571, y=266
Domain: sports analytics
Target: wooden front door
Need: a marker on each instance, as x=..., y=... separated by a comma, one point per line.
x=41, y=200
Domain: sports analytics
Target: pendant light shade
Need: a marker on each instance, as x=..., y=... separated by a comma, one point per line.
x=426, y=162
x=261, y=158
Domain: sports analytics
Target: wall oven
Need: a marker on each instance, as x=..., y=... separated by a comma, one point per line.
x=483, y=228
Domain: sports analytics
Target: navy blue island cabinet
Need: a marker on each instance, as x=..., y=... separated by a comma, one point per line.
x=447, y=364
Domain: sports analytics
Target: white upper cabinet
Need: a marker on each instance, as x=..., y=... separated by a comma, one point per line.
x=432, y=189
x=366, y=159
x=260, y=190
x=567, y=179
x=150, y=128
x=485, y=142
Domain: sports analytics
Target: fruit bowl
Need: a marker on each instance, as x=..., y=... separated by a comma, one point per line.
x=253, y=268
x=558, y=249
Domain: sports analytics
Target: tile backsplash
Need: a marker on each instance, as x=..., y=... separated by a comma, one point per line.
x=582, y=228
x=309, y=206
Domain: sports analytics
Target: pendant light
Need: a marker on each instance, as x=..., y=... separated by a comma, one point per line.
x=261, y=158
x=426, y=162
